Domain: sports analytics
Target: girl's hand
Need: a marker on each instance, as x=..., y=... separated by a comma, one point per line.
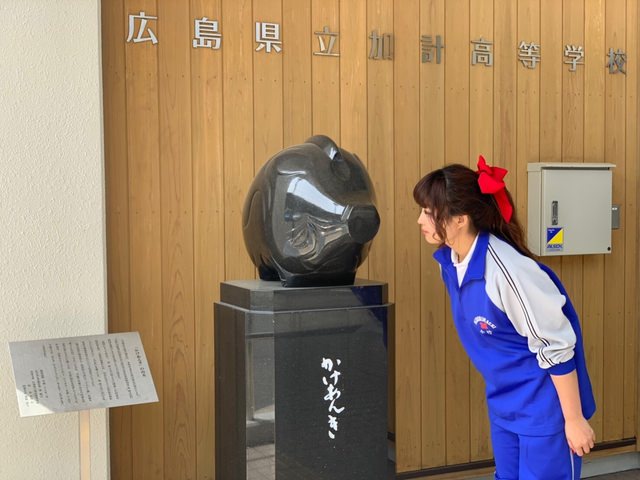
x=579, y=435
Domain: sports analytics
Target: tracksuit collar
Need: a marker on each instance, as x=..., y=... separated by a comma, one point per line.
x=476, y=268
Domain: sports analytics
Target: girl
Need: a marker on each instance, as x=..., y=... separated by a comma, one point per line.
x=514, y=320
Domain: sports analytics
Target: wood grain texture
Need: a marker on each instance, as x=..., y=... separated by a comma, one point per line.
x=380, y=144
x=186, y=129
x=573, y=129
x=238, y=135
x=353, y=95
x=176, y=188
x=482, y=103
x=551, y=95
x=636, y=128
x=432, y=293
x=527, y=84
x=631, y=224
x=615, y=120
x=267, y=88
x=208, y=226
x=117, y=210
x=406, y=115
x=145, y=242
x=457, y=142
x=593, y=266
x=296, y=72
x=325, y=72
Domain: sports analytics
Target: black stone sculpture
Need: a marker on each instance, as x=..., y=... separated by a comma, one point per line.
x=310, y=215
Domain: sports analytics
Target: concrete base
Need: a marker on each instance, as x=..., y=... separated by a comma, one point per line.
x=301, y=381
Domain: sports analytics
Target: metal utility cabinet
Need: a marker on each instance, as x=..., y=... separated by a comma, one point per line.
x=569, y=208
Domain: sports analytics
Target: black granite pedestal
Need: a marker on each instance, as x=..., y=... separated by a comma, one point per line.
x=301, y=381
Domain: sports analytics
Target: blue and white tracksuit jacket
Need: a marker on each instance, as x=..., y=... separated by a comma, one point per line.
x=517, y=325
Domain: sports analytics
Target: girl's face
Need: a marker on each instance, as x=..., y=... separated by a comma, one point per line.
x=428, y=227
x=453, y=228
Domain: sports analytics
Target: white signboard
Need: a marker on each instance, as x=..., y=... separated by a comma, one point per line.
x=80, y=373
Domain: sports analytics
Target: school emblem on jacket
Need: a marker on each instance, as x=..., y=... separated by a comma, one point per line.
x=485, y=327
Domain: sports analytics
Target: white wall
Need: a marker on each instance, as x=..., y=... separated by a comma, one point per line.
x=52, y=236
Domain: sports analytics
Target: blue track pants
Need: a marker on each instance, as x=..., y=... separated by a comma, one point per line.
x=522, y=457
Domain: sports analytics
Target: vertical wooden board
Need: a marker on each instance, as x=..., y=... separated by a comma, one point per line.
x=573, y=129
x=593, y=272
x=573, y=83
x=504, y=93
x=457, y=388
x=457, y=45
x=380, y=160
x=551, y=67
x=528, y=102
x=380, y=145
x=176, y=188
x=481, y=95
x=267, y=85
x=592, y=330
x=435, y=320
x=637, y=199
x=551, y=97
x=481, y=138
x=458, y=53
x=145, y=236
x=208, y=225
x=432, y=294
x=296, y=71
x=237, y=67
x=631, y=224
x=613, y=404
x=406, y=116
x=117, y=206
x=352, y=47
x=325, y=71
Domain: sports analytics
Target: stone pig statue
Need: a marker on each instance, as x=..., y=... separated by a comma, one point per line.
x=310, y=216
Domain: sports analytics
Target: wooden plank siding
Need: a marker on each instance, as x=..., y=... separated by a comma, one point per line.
x=296, y=72
x=481, y=141
x=630, y=363
x=353, y=84
x=145, y=243
x=117, y=221
x=186, y=130
x=208, y=227
x=432, y=293
x=267, y=90
x=406, y=116
x=325, y=73
x=457, y=139
x=615, y=120
x=593, y=265
x=176, y=209
x=573, y=128
x=238, y=136
x=551, y=98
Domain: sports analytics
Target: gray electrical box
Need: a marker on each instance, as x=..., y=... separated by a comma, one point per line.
x=569, y=208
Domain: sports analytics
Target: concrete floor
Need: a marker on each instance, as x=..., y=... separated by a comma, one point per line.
x=629, y=475
x=261, y=466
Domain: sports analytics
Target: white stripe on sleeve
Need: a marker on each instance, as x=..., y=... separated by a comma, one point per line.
x=525, y=293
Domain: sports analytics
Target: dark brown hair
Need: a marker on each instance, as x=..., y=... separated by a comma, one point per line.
x=454, y=190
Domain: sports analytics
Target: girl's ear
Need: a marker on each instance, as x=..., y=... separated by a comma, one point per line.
x=463, y=222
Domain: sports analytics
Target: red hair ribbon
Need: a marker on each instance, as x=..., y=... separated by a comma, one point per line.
x=490, y=181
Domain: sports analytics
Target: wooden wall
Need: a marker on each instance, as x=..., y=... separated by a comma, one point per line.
x=186, y=129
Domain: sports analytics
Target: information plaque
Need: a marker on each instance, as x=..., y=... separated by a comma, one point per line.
x=81, y=373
